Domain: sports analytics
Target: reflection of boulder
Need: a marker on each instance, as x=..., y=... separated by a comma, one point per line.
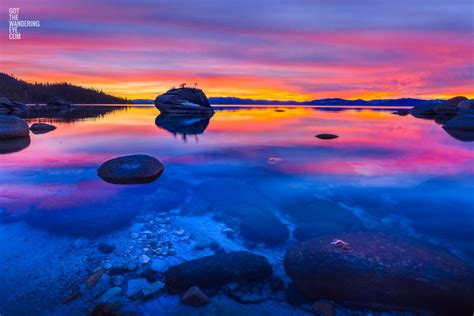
x=11, y=107
x=184, y=101
x=72, y=114
x=461, y=127
x=184, y=125
x=13, y=145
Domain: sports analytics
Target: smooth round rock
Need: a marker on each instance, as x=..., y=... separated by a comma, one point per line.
x=217, y=270
x=13, y=127
x=326, y=136
x=42, y=128
x=133, y=169
x=456, y=100
x=373, y=268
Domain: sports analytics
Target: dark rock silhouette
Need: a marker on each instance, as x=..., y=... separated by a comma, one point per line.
x=42, y=128
x=326, y=136
x=184, y=101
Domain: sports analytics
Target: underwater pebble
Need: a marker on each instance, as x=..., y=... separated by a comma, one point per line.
x=145, y=259
x=195, y=297
x=114, y=291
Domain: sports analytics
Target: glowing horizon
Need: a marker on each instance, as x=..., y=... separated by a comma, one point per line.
x=276, y=50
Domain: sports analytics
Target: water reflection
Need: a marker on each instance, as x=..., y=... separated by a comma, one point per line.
x=382, y=168
x=12, y=145
x=182, y=125
x=72, y=114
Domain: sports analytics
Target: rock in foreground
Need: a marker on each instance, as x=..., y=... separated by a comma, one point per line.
x=131, y=169
x=42, y=128
x=217, y=270
x=184, y=101
x=13, y=127
x=371, y=268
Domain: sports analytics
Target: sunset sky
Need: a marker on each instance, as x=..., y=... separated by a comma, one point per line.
x=294, y=49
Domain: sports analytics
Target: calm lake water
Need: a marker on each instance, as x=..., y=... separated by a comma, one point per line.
x=394, y=171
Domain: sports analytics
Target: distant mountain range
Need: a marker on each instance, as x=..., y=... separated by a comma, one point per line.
x=332, y=101
x=19, y=90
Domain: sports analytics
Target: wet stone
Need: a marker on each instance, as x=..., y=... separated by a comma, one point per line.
x=133, y=169
x=217, y=270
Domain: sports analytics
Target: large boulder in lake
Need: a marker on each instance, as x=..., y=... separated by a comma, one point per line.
x=455, y=101
x=131, y=169
x=423, y=111
x=184, y=101
x=217, y=270
x=373, y=268
x=13, y=127
x=57, y=103
x=466, y=104
x=11, y=107
x=449, y=107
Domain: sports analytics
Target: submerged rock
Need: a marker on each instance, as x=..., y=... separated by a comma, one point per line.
x=13, y=127
x=423, y=111
x=264, y=226
x=381, y=269
x=131, y=169
x=316, y=217
x=112, y=292
x=135, y=286
x=195, y=297
x=184, y=101
x=42, y=128
x=217, y=270
x=326, y=136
